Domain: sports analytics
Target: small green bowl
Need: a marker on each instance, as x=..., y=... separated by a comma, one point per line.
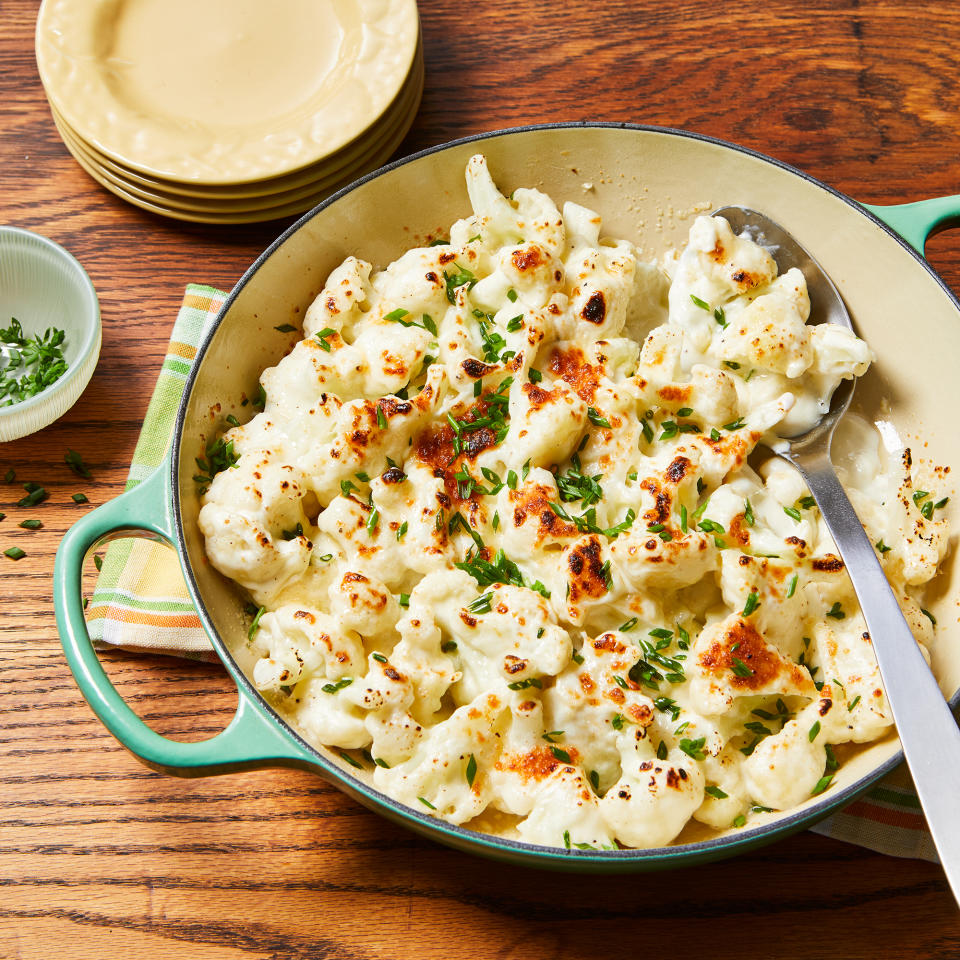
x=44, y=286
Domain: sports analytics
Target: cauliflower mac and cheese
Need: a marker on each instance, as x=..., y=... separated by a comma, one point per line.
x=509, y=553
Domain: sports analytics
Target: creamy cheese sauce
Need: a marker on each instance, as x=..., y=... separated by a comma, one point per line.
x=512, y=556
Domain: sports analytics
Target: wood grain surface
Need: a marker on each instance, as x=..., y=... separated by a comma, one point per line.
x=102, y=858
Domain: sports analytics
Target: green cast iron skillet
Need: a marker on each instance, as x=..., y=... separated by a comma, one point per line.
x=647, y=183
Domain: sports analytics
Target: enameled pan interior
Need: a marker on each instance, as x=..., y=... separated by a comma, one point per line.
x=647, y=184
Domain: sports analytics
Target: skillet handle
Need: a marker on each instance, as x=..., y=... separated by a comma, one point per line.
x=252, y=738
x=915, y=222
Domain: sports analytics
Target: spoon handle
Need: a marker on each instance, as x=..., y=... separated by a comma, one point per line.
x=928, y=732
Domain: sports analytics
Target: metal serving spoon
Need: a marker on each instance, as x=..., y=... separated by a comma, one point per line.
x=928, y=732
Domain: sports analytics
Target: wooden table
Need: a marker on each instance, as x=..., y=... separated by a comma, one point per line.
x=100, y=857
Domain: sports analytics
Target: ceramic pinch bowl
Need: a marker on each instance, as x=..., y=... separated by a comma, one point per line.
x=43, y=286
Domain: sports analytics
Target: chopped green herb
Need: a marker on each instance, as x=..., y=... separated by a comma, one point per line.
x=740, y=668
x=836, y=611
x=339, y=685
x=402, y=531
x=381, y=417
x=753, y=601
x=42, y=352
x=748, y=516
x=740, y=821
x=285, y=328
x=853, y=703
x=882, y=547
x=814, y=731
x=552, y=735
x=75, y=462
x=31, y=524
x=595, y=780
x=629, y=625
x=482, y=603
x=735, y=424
x=793, y=585
x=715, y=792
x=577, y=657
x=404, y=600
x=350, y=760
x=596, y=418
x=471, y=771
x=694, y=748
x=793, y=513
x=379, y=657
x=512, y=295
x=720, y=316
x=98, y=561
x=525, y=684
x=684, y=411
x=662, y=750
x=683, y=518
x=514, y=324
x=822, y=785
x=35, y=496
x=806, y=503
x=426, y=803
x=929, y=615
x=10, y=475
x=255, y=626
x=702, y=304
x=534, y=375
x=372, y=521
x=617, y=721
x=561, y=754
x=14, y=553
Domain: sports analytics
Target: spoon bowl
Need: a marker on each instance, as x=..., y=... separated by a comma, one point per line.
x=928, y=732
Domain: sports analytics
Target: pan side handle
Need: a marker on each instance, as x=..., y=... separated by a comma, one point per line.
x=915, y=222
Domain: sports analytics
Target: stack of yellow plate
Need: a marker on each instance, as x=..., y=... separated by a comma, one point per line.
x=230, y=111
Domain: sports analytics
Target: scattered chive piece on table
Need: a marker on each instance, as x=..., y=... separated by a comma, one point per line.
x=14, y=553
x=31, y=524
x=75, y=462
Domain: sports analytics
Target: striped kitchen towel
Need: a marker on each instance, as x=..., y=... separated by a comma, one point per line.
x=141, y=602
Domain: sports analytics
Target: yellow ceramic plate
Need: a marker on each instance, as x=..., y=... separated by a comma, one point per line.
x=223, y=91
x=231, y=213
x=262, y=193
x=400, y=112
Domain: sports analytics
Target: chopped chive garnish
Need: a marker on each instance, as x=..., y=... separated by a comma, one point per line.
x=404, y=600
x=853, y=703
x=379, y=657
x=836, y=611
x=925, y=612
x=535, y=375
x=561, y=754
x=471, y=770
x=702, y=304
x=793, y=513
x=285, y=328
x=75, y=462
x=735, y=424
x=512, y=295
x=337, y=686
x=793, y=585
x=882, y=547
x=350, y=760
x=822, y=785
x=381, y=418
x=740, y=668
x=694, y=748
x=255, y=626
x=748, y=516
x=595, y=417
x=715, y=792
x=14, y=553
x=31, y=524
x=814, y=731
x=753, y=601
x=426, y=803
x=629, y=625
